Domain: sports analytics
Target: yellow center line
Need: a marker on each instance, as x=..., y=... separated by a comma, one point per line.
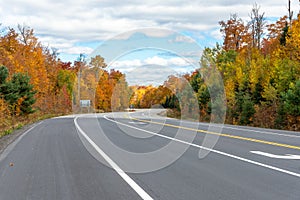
x=225, y=135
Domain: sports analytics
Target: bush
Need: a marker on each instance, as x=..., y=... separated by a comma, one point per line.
x=4, y=115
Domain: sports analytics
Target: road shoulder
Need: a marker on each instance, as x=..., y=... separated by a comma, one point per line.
x=6, y=140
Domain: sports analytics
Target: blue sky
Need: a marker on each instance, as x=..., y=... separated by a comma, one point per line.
x=109, y=27
x=162, y=51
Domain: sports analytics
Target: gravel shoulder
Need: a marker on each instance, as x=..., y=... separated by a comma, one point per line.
x=6, y=140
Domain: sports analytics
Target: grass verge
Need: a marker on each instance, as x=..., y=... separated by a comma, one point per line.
x=18, y=122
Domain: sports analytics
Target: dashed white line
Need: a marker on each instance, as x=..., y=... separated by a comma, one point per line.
x=213, y=150
x=270, y=155
x=141, y=123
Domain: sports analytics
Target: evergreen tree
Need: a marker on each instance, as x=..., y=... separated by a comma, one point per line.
x=291, y=100
x=247, y=110
x=3, y=75
x=18, y=92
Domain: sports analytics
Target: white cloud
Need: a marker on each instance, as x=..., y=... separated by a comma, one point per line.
x=59, y=43
x=192, y=54
x=149, y=75
x=63, y=23
x=126, y=63
x=78, y=50
x=182, y=38
x=150, y=32
x=155, y=60
x=216, y=34
x=152, y=70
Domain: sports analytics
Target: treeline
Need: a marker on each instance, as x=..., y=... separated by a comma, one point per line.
x=107, y=90
x=148, y=96
x=259, y=71
x=33, y=81
x=260, y=67
x=175, y=93
x=112, y=92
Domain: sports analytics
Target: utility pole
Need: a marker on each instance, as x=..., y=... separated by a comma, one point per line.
x=81, y=60
x=78, y=77
x=290, y=13
x=299, y=10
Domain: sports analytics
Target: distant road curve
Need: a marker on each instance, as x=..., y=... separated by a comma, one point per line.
x=59, y=159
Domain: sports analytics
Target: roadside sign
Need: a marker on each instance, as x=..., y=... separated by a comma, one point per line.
x=85, y=103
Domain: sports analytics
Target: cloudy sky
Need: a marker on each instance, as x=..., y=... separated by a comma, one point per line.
x=101, y=26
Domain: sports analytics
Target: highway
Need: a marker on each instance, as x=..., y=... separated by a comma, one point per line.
x=140, y=155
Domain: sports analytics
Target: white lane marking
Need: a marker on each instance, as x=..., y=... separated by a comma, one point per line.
x=224, y=126
x=137, y=123
x=286, y=156
x=212, y=150
x=125, y=177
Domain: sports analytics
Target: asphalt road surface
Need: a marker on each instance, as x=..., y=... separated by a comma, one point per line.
x=139, y=155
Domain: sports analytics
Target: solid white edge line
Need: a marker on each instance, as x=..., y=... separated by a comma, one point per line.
x=212, y=150
x=125, y=177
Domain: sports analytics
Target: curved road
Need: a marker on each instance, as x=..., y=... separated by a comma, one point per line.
x=125, y=156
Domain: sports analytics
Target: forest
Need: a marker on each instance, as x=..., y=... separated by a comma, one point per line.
x=259, y=63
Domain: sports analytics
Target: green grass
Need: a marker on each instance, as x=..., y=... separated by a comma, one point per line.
x=19, y=126
x=6, y=132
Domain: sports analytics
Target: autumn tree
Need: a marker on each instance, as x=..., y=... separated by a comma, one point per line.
x=121, y=95
x=260, y=72
x=98, y=62
x=112, y=92
x=256, y=25
x=21, y=52
x=137, y=94
x=5, y=115
x=103, y=93
x=235, y=33
x=276, y=36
